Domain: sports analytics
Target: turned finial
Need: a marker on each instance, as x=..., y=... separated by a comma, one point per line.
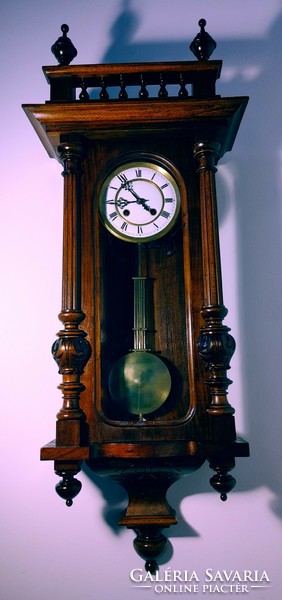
x=63, y=49
x=203, y=44
x=68, y=487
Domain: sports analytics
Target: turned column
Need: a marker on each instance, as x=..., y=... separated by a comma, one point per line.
x=71, y=351
x=215, y=344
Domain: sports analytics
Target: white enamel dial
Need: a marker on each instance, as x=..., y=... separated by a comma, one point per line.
x=139, y=201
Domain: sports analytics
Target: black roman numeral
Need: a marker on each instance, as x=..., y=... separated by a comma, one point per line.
x=138, y=172
x=113, y=215
x=124, y=226
x=164, y=186
x=165, y=214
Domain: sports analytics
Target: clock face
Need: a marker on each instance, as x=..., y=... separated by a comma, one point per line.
x=139, y=201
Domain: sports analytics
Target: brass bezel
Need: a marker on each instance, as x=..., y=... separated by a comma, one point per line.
x=161, y=165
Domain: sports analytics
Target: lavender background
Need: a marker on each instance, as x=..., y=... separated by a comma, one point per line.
x=47, y=550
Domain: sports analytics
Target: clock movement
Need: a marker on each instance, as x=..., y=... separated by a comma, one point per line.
x=143, y=350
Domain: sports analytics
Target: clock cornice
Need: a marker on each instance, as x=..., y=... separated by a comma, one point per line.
x=113, y=119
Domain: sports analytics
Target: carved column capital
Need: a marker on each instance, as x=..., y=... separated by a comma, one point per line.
x=207, y=153
x=71, y=153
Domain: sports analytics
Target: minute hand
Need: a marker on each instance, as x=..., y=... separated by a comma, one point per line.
x=128, y=186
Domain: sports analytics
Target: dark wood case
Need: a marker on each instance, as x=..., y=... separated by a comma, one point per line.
x=187, y=125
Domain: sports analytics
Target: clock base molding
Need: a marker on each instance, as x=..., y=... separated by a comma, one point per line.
x=144, y=383
x=146, y=481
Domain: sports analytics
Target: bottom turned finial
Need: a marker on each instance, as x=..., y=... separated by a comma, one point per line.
x=151, y=566
x=223, y=483
x=68, y=488
x=150, y=543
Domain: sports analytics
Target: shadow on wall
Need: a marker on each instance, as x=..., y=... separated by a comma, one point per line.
x=250, y=67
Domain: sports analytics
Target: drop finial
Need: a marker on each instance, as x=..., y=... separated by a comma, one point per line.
x=203, y=44
x=63, y=49
x=68, y=487
x=151, y=566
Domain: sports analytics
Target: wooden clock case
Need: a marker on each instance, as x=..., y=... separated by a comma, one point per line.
x=189, y=130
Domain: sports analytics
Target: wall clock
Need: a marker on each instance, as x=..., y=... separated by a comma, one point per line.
x=143, y=350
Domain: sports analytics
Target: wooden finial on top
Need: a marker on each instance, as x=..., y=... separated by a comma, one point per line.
x=203, y=44
x=63, y=49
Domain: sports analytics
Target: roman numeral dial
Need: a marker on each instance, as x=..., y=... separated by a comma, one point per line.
x=139, y=200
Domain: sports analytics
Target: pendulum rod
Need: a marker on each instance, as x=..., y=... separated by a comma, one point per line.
x=140, y=325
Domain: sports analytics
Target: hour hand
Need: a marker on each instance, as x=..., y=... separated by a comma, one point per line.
x=142, y=201
x=120, y=202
